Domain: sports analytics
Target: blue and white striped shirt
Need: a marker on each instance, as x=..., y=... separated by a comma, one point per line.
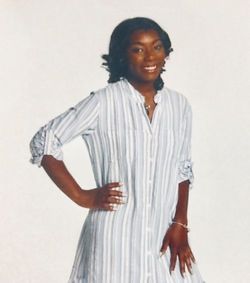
x=150, y=158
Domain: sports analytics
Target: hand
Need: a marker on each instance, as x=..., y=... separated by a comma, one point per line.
x=176, y=239
x=103, y=198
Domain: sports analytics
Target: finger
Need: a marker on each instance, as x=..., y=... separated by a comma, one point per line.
x=113, y=189
x=113, y=192
x=164, y=246
x=116, y=200
x=110, y=206
x=192, y=257
x=113, y=185
x=173, y=260
x=182, y=264
x=189, y=264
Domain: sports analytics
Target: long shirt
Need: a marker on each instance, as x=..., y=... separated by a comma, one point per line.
x=150, y=158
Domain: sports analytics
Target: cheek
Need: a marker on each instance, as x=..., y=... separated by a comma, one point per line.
x=162, y=60
x=134, y=60
x=132, y=68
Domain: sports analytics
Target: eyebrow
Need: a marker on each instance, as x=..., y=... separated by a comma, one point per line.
x=141, y=43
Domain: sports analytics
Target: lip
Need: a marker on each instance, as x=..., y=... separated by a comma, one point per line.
x=150, y=68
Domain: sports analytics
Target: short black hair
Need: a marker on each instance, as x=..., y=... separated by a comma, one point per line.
x=116, y=62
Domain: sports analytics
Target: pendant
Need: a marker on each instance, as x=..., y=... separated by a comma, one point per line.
x=147, y=108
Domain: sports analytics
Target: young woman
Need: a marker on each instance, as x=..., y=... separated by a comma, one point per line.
x=138, y=134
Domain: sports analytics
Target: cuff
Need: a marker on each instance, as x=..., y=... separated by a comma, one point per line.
x=185, y=172
x=44, y=142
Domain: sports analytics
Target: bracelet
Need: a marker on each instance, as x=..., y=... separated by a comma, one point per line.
x=181, y=224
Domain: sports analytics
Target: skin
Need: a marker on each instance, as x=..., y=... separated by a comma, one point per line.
x=145, y=49
x=176, y=236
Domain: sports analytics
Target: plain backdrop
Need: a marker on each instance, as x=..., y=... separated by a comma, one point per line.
x=50, y=60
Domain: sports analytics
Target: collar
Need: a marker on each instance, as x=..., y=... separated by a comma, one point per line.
x=137, y=95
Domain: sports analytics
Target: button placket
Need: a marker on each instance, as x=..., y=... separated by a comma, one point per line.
x=149, y=206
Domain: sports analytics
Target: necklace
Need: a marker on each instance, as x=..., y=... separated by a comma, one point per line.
x=147, y=106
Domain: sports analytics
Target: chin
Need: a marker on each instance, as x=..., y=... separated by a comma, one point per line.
x=146, y=78
x=150, y=78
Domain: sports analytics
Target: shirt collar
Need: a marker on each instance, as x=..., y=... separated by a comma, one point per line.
x=138, y=96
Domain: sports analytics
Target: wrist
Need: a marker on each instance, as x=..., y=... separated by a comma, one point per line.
x=182, y=220
x=180, y=224
x=79, y=196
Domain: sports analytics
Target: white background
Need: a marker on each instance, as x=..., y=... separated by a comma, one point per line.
x=50, y=60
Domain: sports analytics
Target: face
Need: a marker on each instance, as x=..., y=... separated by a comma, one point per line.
x=145, y=56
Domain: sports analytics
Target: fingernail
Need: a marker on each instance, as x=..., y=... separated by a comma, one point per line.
x=120, y=183
x=162, y=253
x=119, y=198
x=124, y=195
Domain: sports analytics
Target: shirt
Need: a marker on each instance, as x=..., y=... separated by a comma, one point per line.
x=150, y=158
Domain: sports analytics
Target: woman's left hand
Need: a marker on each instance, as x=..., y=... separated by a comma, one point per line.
x=176, y=239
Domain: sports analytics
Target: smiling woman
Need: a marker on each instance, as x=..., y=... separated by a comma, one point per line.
x=138, y=134
x=121, y=39
x=145, y=55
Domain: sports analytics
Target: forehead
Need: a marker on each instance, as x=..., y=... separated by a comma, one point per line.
x=144, y=36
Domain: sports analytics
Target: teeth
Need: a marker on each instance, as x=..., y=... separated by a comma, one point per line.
x=150, y=68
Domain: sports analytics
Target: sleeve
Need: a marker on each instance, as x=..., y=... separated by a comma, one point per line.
x=185, y=164
x=78, y=120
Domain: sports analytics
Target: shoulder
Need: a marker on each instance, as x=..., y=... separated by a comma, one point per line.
x=105, y=89
x=176, y=95
x=177, y=98
x=110, y=90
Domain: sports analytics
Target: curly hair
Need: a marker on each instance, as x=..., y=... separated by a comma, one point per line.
x=116, y=61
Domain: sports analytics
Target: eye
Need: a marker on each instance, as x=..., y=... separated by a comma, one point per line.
x=158, y=46
x=137, y=50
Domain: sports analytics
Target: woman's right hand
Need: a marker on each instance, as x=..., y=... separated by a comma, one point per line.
x=106, y=197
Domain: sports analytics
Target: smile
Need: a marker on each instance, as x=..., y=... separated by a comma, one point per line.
x=150, y=68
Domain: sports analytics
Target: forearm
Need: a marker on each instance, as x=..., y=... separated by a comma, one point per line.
x=182, y=204
x=59, y=174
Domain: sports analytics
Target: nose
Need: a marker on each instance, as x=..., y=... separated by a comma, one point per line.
x=149, y=56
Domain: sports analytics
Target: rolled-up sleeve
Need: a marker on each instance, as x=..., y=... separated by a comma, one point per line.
x=78, y=120
x=185, y=164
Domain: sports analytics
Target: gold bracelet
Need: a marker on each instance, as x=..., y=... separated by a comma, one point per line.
x=181, y=224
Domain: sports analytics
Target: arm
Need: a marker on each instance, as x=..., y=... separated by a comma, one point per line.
x=46, y=150
x=59, y=174
x=95, y=198
x=182, y=204
x=176, y=236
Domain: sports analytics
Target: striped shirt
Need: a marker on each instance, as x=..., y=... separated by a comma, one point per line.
x=150, y=157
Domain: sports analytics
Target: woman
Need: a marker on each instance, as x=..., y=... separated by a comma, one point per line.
x=138, y=136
